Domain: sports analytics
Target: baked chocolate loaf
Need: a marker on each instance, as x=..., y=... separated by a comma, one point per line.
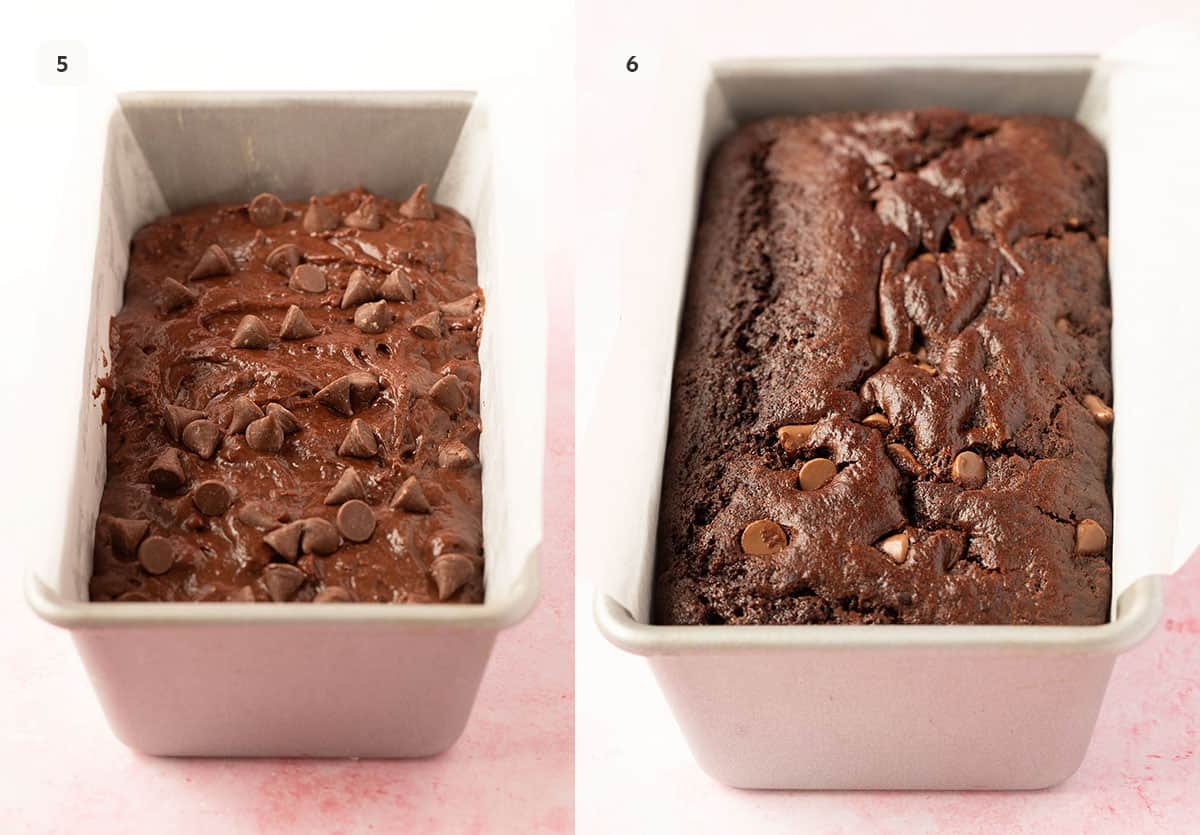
x=293, y=407
x=890, y=401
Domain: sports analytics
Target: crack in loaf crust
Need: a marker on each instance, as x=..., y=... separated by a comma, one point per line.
x=313, y=506
x=940, y=276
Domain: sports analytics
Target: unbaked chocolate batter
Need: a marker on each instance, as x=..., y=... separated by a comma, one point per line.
x=293, y=407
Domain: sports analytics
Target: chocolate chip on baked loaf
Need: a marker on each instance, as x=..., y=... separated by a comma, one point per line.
x=1090, y=538
x=318, y=217
x=250, y=333
x=794, y=436
x=895, y=546
x=1101, y=412
x=296, y=325
x=877, y=421
x=266, y=210
x=763, y=537
x=816, y=473
x=214, y=262
x=969, y=470
x=905, y=461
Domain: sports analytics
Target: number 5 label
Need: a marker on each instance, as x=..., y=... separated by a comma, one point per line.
x=62, y=63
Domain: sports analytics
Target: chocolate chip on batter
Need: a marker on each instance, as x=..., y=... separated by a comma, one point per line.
x=449, y=393
x=359, y=289
x=318, y=536
x=455, y=455
x=285, y=540
x=258, y=517
x=166, y=473
x=418, y=207
x=365, y=215
x=250, y=333
x=410, y=497
x=265, y=434
x=904, y=460
x=349, y=393
x=895, y=546
x=333, y=594
x=242, y=413
x=359, y=442
x=969, y=470
x=156, y=554
x=308, y=278
x=126, y=534
x=282, y=581
x=763, y=537
x=461, y=307
x=213, y=262
x=287, y=421
x=266, y=210
x=296, y=325
x=356, y=520
x=878, y=420
x=373, y=317
x=176, y=419
x=245, y=594
x=284, y=258
x=212, y=497
x=816, y=473
x=172, y=295
x=318, y=217
x=428, y=326
x=202, y=437
x=397, y=288
x=349, y=486
x=794, y=436
x=1090, y=538
x=1101, y=412
x=450, y=573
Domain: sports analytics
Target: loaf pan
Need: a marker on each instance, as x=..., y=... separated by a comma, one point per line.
x=260, y=679
x=848, y=706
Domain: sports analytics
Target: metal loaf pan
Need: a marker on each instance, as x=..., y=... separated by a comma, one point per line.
x=886, y=706
x=237, y=679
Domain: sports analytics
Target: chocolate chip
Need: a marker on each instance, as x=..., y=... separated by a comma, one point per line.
x=410, y=497
x=448, y=392
x=1090, y=538
x=1063, y=324
x=969, y=470
x=285, y=540
x=365, y=215
x=212, y=497
x=284, y=258
x=250, y=333
x=245, y=594
x=1102, y=414
x=266, y=210
x=296, y=325
x=319, y=537
x=308, y=278
x=356, y=520
x=428, y=326
x=879, y=348
x=450, y=573
x=462, y=307
x=202, y=437
x=265, y=434
x=359, y=442
x=877, y=421
x=816, y=473
x=258, y=517
x=373, y=317
x=418, y=207
x=282, y=581
x=166, y=473
x=348, y=394
x=895, y=546
x=904, y=460
x=349, y=486
x=156, y=555
x=213, y=262
x=762, y=537
x=126, y=534
x=359, y=289
x=397, y=288
x=243, y=412
x=455, y=455
x=135, y=596
x=176, y=419
x=318, y=217
x=333, y=594
x=444, y=540
x=172, y=295
x=795, y=436
x=926, y=367
x=287, y=421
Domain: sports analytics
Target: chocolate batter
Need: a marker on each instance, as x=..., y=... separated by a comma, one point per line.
x=891, y=394
x=293, y=407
